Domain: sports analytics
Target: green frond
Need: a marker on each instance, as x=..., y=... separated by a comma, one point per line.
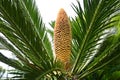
x=39, y=25
x=10, y=62
x=89, y=26
x=2, y=72
x=26, y=36
x=25, y=29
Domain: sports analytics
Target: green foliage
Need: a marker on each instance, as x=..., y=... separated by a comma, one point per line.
x=2, y=71
x=94, y=47
x=22, y=25
x=88, y=31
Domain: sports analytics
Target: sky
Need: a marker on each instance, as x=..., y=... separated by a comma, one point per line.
x=48, y=10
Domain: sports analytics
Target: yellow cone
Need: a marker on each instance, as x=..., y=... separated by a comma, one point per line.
x=62, y=38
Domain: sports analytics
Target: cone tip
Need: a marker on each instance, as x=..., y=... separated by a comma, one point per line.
x=62, y=10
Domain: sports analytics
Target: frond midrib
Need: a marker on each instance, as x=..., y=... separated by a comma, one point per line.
x=85, y=38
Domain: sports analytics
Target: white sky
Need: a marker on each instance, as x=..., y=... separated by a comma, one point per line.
x=48, y=10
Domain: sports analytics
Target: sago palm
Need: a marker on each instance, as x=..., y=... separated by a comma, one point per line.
x=82, y=45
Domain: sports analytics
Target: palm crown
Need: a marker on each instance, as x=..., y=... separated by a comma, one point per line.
x=92, y=45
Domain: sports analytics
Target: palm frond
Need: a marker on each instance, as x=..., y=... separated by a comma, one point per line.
x=2, y=71
x=10, y=62
x=26, y=36
x=18, y=27
x=88, y=28
x=39, y=25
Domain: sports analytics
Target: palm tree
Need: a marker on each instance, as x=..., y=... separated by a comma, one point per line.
x=93, y=46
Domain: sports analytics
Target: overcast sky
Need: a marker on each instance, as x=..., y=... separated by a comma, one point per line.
x=50, y=8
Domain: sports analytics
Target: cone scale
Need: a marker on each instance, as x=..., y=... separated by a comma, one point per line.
x=62, y=38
